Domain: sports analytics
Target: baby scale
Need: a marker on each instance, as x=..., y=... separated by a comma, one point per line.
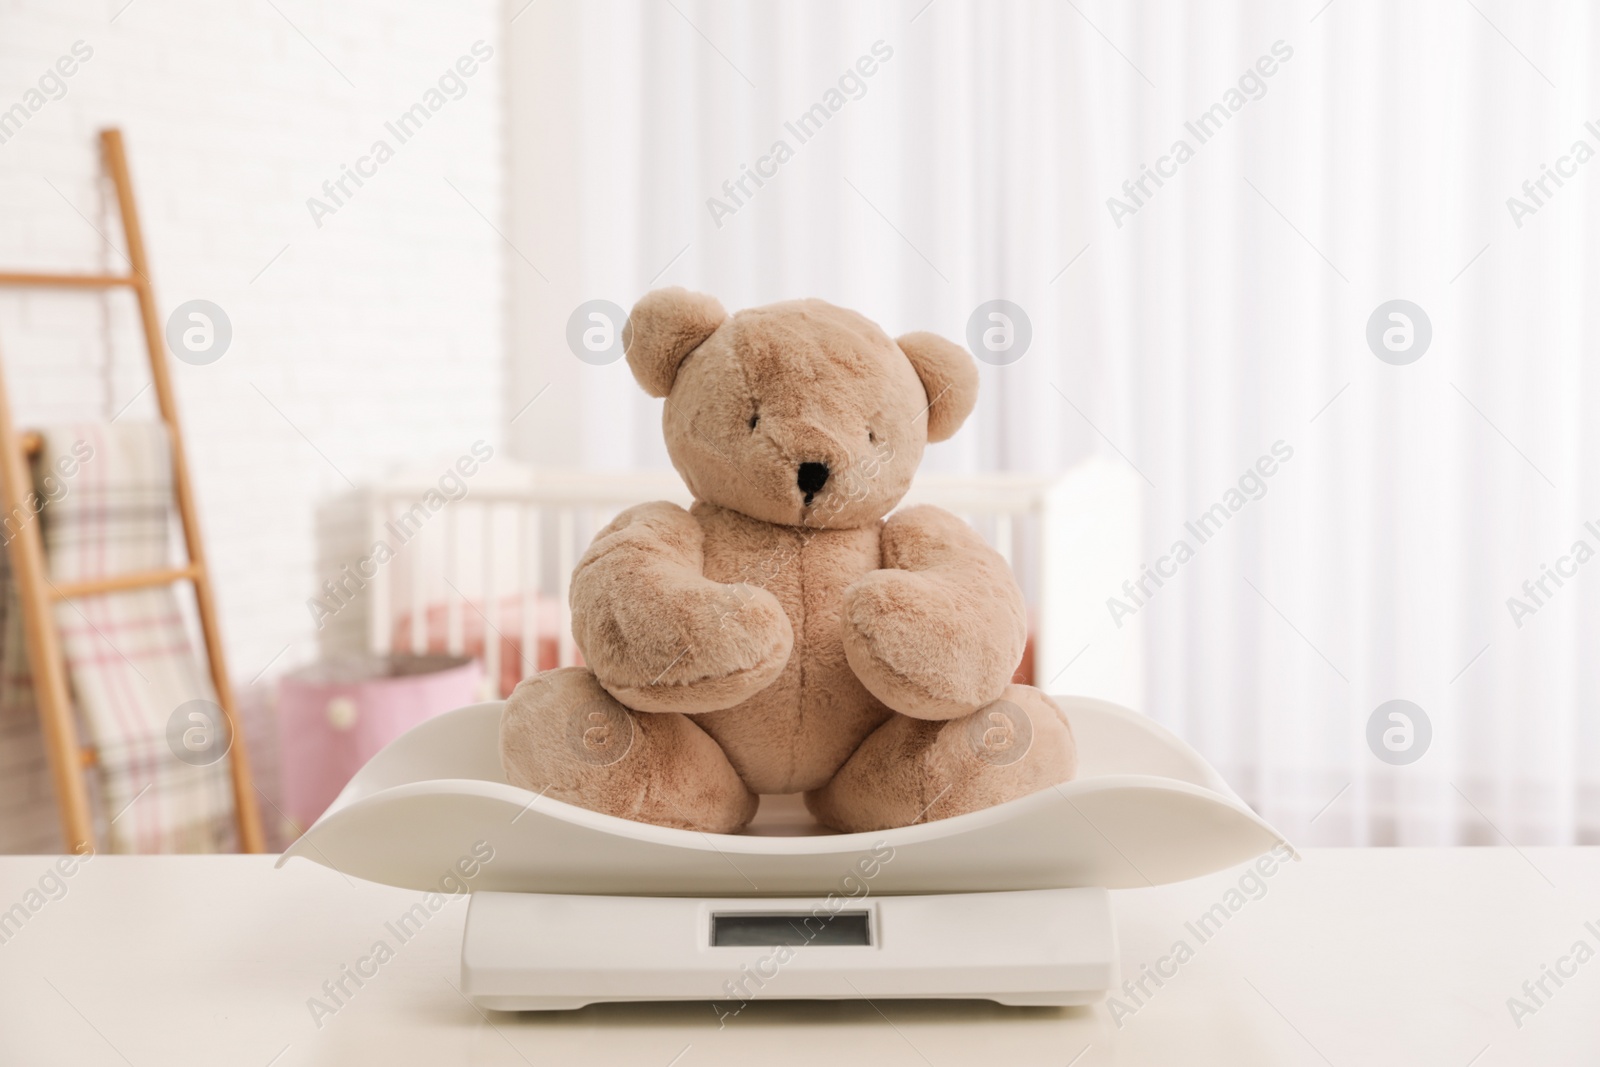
x=1008, y=904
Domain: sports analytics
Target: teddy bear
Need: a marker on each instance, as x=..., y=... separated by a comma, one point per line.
x=790, y=632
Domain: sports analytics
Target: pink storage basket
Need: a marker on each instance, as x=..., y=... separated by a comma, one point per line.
x=334, y=716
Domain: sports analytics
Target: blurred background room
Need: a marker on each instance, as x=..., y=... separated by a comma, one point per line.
x=1285, y=365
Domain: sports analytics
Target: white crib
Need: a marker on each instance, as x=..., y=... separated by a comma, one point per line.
x=487, y=574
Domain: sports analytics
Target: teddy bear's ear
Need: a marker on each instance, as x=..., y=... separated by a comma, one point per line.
x=664, y=327
x=950, y=377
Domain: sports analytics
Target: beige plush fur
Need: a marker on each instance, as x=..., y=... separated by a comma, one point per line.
x=782, y=635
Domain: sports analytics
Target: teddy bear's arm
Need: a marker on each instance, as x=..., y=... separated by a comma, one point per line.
x=657, y=633
x=939, y=631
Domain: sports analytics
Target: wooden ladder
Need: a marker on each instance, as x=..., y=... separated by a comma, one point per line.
x=38, y=595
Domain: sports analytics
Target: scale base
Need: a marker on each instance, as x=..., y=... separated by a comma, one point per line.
x=551, y=952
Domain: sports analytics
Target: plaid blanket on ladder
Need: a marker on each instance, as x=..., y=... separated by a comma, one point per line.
x=130, y=659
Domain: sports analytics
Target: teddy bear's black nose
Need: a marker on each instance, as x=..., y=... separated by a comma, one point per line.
x=813, y=476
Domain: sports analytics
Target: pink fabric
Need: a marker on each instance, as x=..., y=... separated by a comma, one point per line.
x=544, y=649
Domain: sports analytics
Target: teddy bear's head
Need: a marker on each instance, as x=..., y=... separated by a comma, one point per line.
x=798, y=413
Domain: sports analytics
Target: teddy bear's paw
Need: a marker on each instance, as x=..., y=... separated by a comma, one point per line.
x=710, y=647
x=564, y=736
x=919, y=647
x=913, y=770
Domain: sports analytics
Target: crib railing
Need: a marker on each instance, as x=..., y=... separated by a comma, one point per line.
x=488, y=572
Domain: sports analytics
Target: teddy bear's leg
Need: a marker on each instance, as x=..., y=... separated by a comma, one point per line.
x=917, y=770
x=564, y=735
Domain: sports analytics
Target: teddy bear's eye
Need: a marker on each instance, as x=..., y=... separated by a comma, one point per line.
x=872, y=438
x=754, y=419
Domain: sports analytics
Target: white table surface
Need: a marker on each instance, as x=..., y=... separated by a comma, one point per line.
x=1394, y=956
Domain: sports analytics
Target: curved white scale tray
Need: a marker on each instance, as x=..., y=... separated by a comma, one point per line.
x=1144, y=810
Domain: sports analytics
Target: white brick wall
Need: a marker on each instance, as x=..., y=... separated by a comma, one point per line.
x=377, y=335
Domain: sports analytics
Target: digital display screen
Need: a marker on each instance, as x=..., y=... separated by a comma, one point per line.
x=732, y=929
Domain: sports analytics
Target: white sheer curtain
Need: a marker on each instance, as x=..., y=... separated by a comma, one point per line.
x=1227, y=313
